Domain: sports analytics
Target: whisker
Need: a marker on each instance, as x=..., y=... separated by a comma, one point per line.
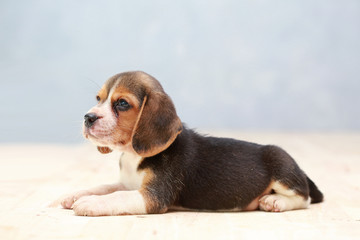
x=91, y=80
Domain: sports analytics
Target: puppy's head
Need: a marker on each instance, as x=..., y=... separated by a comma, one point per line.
x=133, y=114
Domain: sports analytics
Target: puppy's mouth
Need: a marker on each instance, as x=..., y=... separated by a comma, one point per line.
x=96, y=134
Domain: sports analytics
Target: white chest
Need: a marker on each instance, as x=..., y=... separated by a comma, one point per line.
x=129, y=176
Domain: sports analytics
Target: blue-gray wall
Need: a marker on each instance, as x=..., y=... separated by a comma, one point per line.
x=263, y=65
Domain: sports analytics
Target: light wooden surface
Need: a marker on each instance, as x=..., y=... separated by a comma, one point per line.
x=32, y=176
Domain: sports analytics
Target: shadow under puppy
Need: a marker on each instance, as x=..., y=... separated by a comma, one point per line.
x=165, y=165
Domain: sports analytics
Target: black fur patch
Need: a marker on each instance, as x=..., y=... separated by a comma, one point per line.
x=211, y=173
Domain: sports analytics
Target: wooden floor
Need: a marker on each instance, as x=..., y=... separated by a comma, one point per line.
x=33, y=176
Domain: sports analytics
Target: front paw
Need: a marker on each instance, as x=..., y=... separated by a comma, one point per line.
x=91, y=206
x=68, y=200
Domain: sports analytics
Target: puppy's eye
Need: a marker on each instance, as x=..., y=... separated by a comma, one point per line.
x=122, y=105
x=98, y=98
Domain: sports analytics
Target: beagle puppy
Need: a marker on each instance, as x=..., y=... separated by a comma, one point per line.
x=165, y=165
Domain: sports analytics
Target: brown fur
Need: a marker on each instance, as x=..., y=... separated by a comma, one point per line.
x=157, y=127
x=102, y=94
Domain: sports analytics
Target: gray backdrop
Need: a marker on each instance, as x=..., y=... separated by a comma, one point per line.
x=229, y=64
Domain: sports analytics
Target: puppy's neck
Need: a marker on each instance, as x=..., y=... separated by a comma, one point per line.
x=124, y=148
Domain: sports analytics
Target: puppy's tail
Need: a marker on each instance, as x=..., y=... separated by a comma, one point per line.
x=315, y=194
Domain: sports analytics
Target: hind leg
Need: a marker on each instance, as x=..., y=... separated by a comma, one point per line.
x=284, y=199
x=289, y=187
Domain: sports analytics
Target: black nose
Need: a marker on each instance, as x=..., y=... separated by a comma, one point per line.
x=90, y=119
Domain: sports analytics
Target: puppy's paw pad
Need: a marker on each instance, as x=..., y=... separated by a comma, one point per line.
x=272, y=203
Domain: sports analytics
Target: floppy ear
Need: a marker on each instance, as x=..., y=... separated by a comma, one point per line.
x=157, y=125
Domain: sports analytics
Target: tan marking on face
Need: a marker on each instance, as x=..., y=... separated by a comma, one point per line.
x=126, y=120
x=122, y=92
x=114, y=128
x=102, y=94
